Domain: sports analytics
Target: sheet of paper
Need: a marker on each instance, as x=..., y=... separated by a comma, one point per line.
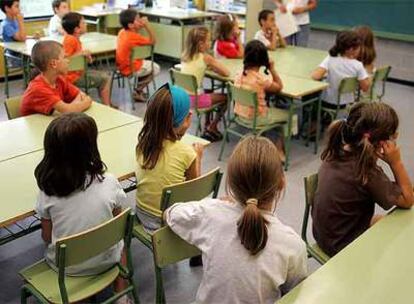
x=286, y=23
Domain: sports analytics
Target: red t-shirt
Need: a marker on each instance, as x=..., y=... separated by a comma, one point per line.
x=228, y=49
x=40, y=97
x=127, y=40
x=72, y=46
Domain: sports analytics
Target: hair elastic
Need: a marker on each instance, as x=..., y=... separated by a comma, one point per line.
x=252, y=201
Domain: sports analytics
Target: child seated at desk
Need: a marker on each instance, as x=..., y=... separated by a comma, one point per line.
x=269, y=33
x=128, y=38
x=250, y=256
x=50, y=90
x=60, y=8
x=74, y=25
x=228, y=41
x=351, y=183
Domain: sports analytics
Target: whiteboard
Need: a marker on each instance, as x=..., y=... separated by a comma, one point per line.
x=34, y=8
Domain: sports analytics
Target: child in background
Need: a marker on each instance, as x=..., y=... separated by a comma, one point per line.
x=228, y=42
x=367, y=55
x=341, y=63
x=195, y=61
x=255, y=57
x=128, y=38
x=13, y=25
x=50, y=90
x=74, y=25
x=60, y=8
x=250, y=255
x=162, y=159
x=269, y=33
x=350, y=182
x=75, y=192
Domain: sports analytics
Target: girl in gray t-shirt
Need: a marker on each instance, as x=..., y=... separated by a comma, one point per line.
x=75, y=193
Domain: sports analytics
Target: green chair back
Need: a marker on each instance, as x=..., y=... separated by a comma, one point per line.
x=13, y=107
x=112, y=22
x=77, y=63
x=246, y=98
x=169, y=248
x=347, y=86
x=311, y=184
x=192, y=190
x=186, y=81
x=78, y=248
x=380, y=76
x=142, y=52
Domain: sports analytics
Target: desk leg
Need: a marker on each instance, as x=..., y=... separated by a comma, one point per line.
x=26, y=70
x=318, y=122
x=289, y=135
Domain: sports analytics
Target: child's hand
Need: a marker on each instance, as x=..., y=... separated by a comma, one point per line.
x=88, y=55
x=37, y=36
x=20, y=17
x=143, y=21
x=391, y=152
x=199, y=149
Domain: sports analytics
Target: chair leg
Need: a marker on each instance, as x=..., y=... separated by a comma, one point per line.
x=134, y=290
x=289, y=136
x=131, y=93
x=225, y=139
x=24, y=294
x=318, y=123
x=160, y=296
x=198, y=124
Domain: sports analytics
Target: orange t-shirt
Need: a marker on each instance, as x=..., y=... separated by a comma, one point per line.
x=127, y=40
x=41, y=97
x=72, y=46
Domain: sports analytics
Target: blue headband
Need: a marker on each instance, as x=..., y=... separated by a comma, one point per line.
x=180, y=103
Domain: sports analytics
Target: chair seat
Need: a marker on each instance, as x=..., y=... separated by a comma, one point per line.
x=140, y=233
x=315, y=250
x=273, y=118
x=45, y=280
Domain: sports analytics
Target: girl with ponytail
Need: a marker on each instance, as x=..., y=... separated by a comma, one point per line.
x=350, y=182
x=342, y=63
x=249, y=256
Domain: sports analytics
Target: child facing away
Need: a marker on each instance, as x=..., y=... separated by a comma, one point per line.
x=228, y=42
x=350, y=182
x=128, y=38
x=342, y=63
x=195, y=61
x=367, y=55
x=60, y=8
x=162, y=159
x=256, y=57
x=269, y=33
x=74, y=25
x=249, y=255
x=75, y=192
x=50, y=90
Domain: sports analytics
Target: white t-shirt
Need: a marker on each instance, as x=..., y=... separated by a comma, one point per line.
x=301, y=19
x=231, y=274
x=337, y=69
x=55, y=24
x=80, y=211
x=261, y=36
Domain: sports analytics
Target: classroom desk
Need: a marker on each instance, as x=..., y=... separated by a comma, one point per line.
x=299, y=92
x=18, y=185
x=95, y=15
x=25, y=134
x=376, y=268
x=171, y=36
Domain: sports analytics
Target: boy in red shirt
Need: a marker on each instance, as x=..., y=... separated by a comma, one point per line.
x=128, y=38
x=50, y=90
x=74, y=25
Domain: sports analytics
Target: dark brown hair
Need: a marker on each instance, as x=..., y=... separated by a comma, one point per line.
x=192, y=42
x=8, y=3
x=254, y=178
x=56, y=4
x=345, y=40
x=263, y=15
x=366, y=126
x=43, y=52
x=367, y=54
x=71, y=21
x=158, y=126
x=255, y=55
x=127, y=16
x=71, y=161
x=224, y=27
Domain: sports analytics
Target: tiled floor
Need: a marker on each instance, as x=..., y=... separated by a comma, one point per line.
x=181, y=282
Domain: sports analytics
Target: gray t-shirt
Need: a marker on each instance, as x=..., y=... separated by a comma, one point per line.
x=80, y=211
x=231, y=274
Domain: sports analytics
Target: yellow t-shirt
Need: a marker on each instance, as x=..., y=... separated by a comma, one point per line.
x=175, y=158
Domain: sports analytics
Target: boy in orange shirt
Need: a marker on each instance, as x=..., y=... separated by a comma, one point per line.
x=74, y=25
x=128, y=38
x=50, y=90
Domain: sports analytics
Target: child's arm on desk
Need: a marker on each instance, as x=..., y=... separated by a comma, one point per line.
x=81, y=103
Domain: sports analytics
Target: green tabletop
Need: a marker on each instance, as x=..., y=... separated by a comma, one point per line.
x=25, y=134
x=18, y=186
x=176, y=13
x=293, y=86
x=376, y=268
x=95, y=42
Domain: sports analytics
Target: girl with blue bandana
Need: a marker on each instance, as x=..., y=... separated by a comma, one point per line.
x=162, y=159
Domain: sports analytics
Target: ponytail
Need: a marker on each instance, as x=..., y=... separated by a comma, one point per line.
x=252, y=228
x=255, y=55
x=366, y=160
x=345, y=40
x=334, y=52
x=335, y=143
